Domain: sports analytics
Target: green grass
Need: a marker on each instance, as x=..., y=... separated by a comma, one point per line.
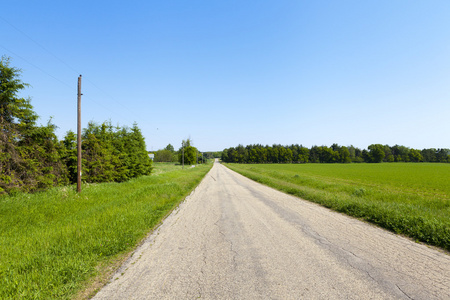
x=52, y=243
x=407, y=198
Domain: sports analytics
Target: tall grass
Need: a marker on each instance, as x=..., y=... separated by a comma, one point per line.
x=52, y=242
x=410, y=199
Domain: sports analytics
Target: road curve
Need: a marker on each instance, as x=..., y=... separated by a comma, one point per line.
x=236, y=239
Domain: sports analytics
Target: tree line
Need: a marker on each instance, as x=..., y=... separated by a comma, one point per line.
x=187, y=154
x=33, y=159
x=374, y=153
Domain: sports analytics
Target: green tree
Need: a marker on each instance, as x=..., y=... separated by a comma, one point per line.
x=314, y=154
x=328, y=155
x=224, y=157
x=376, y=153
x=253, y=156
x=139, y=162
x=303, y=154
x=429, y=155
x=113, y=154
x=99, y=161
x=344, y=155
x=187, y=153
x=442, y=155
x=415, y=155
x=401, y=153
x=170, y=148
x=389, y=157
x=44, y=154
x=15, y=113
x=70, y=155
x=165, y=156
x=30, y=155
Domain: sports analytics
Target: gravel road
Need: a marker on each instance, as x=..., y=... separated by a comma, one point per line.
x=236, y=239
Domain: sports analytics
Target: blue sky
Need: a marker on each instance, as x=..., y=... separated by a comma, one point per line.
x=240, y=72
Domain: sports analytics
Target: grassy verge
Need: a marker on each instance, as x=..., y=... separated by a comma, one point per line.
x=52, y=243
x=409, y=199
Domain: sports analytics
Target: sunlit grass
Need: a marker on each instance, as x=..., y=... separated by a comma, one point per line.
x=407, y=198
x=52, y=242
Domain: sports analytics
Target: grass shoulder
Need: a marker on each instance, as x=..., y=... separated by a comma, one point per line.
x=406, y=198
x=57, y=243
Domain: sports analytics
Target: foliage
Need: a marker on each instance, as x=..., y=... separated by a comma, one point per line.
x=30, y=155
x=166, y=155
x=211, y=155
x=112, y=153
x=411, y=199
x=187, y=154
x=33, y=159
x=170, y=148
x=54, y=241
x=376, y=153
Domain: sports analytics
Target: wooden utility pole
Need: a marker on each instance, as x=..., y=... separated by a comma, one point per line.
x=182, y=159
x=79, y=138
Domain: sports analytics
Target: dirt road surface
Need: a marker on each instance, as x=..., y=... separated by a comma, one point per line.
x=236, y=239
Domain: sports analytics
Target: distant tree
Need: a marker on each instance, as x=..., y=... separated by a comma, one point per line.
x=303, y=154
x=344, y=155
x=187, y=153
x=365, y=155
x=217, y=154
x=253, y=155
x=376, y=153
x=165, y=155
x=442, y=155
x=224, y=156
x=262, y=154
x=389, y=157
x=335, y=147
x=314, y=154
x=170, y=148
x=284, y=155
x=401, y=153
x=242, y=154
x=335, y=154
x=429, y=155
x=358, y=156
x=352, y=152
x=327, y=155
x=232, y=155
x=415, y=155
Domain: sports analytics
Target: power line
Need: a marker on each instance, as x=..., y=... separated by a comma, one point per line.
x=34, y=41
x=67, y=65
x=40, y=69
x=55, y=78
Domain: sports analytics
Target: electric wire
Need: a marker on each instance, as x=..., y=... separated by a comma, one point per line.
x=34, y=41
x=55, y=78
x=40, y=69
x=68, y=66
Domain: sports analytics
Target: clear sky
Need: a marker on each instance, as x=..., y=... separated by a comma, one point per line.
x=239, y=72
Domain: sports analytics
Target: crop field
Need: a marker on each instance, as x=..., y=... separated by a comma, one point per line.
x=412, y=199
x=52, y=244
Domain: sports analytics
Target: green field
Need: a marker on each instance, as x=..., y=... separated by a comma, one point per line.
x=408, y=198
x=52, y=243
